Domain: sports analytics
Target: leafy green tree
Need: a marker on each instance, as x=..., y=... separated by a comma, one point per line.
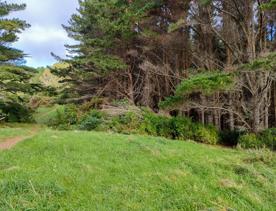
x=14, y=79
x=104, y=32
x=9, y=28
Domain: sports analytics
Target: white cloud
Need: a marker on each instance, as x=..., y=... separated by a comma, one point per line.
x=39, y=34
x=46, y=34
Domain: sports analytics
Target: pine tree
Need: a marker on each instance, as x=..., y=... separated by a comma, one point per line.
x=143, y=50
x=8, y=32
x=14, y=79
x=104, y=31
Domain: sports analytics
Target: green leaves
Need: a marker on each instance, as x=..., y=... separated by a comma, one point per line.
x=105, y=31
x=103, y=28
x=15, y=83
x=269, y=5
x=8, y=32
x=204, y=83
x=205, y=2
x=6, y=8
x=209, y=83
x=267, y=63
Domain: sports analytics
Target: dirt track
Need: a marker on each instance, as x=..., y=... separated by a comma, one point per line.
x=11, y=142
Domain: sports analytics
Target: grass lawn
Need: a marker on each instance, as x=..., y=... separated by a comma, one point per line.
x=100, y=171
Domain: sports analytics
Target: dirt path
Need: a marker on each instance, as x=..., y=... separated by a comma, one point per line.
x=11, y=142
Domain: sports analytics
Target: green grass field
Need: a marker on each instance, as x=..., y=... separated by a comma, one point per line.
x=100, y=171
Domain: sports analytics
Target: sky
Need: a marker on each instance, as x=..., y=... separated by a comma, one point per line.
x=46, y=34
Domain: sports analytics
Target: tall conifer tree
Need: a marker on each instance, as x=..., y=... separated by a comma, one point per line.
x=14, y=79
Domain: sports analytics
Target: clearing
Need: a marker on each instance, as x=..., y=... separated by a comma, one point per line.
x=74, y=170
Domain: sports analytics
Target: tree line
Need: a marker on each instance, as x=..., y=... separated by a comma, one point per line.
x=210, y=60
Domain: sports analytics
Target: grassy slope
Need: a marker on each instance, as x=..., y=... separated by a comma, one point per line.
x=99, y=171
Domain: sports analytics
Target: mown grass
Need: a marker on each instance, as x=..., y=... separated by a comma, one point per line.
x=101, y=171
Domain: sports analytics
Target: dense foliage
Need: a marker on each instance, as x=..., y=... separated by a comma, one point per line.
x=131, y=121
x=210, y=60
x=189, y=70
x=15, y=82
x=202, y=62
x=266, y=139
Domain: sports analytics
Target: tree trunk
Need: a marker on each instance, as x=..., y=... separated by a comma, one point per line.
x=217, y=115
x=130, y=87
x=231, y=115
x=146, y=92
x=202, y=111
x=249, y=30
x=256, y=119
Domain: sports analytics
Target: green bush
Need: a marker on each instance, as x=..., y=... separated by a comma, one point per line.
x=91, y=121
x=65, y=118
x=16, y=112
x=2, y=116
x=249, y=141
x=268, y=138
x=125, y=123
x=149, y=123
x=178, y=128
x=230, y=138
x=205, y=134
x=183, y=128
x=156, y=125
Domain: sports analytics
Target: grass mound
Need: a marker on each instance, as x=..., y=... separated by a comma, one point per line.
x=75, y=170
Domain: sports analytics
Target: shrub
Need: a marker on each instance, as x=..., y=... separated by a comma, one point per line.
x=178, y=128
x=230, y=138
x=65, y=118
x=149, y=124
x=16, y=112
x=156, y=125
x=205, y=134
x=182, y=128
x=125, y=123
x=268, y=138
x=91, y=121
x=2, y=116
x=250, y=140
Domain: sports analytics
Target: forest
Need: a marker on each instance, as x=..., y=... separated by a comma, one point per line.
x=187, y=70
x=210, y=61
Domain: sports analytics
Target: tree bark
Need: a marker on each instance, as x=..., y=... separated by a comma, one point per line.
x=231, y=115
